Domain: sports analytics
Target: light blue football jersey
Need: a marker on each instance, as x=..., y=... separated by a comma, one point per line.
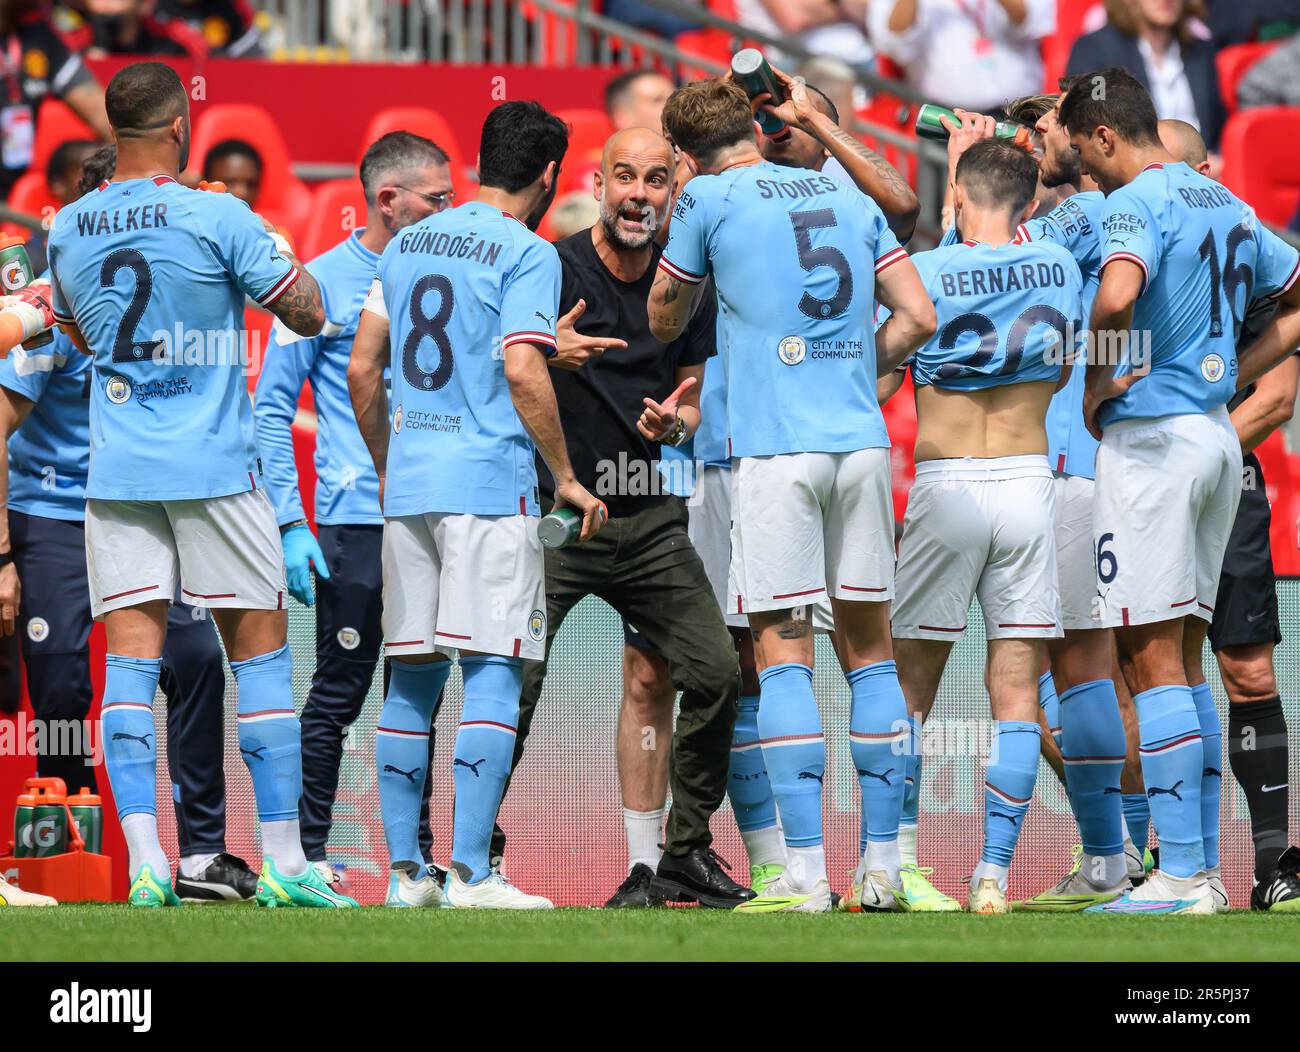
x=154, y=275
x=1204, y=256
x=459, y=288
x=1006, y=314
x=710, y=441
x=794, y=255
x=1076, y=225
x=49, y=455
x=347, y=488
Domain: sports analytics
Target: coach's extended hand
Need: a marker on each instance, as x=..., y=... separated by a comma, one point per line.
x=574, y=350
x=575, y=495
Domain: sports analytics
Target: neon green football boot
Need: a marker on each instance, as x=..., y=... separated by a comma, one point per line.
x=150, y=891
x=918, y=895
x=761, y=876
x=1074, y=892
x=309, y=890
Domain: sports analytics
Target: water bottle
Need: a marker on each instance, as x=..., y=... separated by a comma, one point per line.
x=563, y=526
x=928, y=126
x=752, y=73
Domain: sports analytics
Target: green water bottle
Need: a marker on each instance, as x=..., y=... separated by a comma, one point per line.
x=752, y=73
x=928, y=126
x=563, y=526
x=16, y=273
x=24, y=813
x=50, y=827
x=87, y=810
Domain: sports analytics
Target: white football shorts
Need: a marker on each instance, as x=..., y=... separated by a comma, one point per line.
x=221, y=551
x=464, y=582
x=1167, y=494
x=979, y=527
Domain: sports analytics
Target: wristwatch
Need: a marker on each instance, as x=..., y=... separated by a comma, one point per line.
x=677, y=435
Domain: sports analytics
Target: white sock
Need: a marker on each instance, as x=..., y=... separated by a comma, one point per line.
x=987, y=869
x=644, y=835
x=907, y=844
x=765, y=847
x=193, y=866
x=884, y=855
x=1104, y=871
x=143, y=846
x=806, y=866
x=282, y=844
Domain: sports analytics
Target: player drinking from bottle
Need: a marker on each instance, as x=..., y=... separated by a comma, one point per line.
x=173, y=495
x=812, y=509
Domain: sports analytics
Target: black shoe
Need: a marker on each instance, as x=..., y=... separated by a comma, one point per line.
x=226, y=879
x=697, y=876
x=1282, y=893
x=635, y=890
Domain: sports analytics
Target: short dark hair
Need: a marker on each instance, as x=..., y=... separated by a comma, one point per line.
x=398, y=151
x=99, y=166
x=707, y=116
x=831, y=111
x=519, y=140
x=143, y=97
x=66, y=159
x=618, y=89
x=1065, y=83
x=230, y=148
x=1112, y=98
x=998, y=175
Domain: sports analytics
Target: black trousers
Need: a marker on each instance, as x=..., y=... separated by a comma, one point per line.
x=54, y=623
x=348, y=636
x=644, y=566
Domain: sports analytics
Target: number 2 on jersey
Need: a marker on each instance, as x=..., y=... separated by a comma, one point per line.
x=435, y=328
x=126, y=348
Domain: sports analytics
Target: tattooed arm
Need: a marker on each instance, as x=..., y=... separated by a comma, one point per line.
x=670, y=306
x=300, y=306
x=874, y=176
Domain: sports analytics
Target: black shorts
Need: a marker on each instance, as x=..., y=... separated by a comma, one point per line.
x=1245, y=612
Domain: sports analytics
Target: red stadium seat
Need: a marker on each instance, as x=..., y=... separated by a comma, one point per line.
x=55, y=125
x=284, y=200
x=1233, y=63
x=339, y=208
x=31, y=195
x=1283, y=488
x=1261, y=160
x=432, y=125
x=588, y=130
x=1073, y=19
x=889, y=112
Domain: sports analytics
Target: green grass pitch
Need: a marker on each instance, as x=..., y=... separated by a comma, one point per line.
x=235, y=933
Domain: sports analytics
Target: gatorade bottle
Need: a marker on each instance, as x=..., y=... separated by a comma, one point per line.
x=16, y=273
x=24, y=813
x=928, y=126
x=88, y=815
x=50, y=824
x=752, y=73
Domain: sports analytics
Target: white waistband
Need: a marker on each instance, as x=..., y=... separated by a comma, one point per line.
x=1217, y=416
x=984, y=469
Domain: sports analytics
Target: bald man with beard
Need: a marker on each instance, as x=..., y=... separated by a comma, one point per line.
x=623, y=396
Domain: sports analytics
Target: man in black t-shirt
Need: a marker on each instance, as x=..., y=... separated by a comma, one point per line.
x=621, y=395
x=36, y=64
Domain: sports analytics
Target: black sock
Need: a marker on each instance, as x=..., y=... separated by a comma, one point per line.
x=1257, y=753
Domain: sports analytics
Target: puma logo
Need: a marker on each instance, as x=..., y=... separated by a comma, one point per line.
x=143, y=739
x=1111, y=789
x=809, y=774
x=1171, y=791
x=408, y=775
x=544, y=318
x=458, y=762
x=1210, y=772
x=879, y=777
x=256, y=754
x=1013, y=819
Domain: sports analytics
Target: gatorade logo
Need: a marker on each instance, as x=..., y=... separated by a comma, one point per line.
x=13, y=276
x=41, y=833
x=37, y=629
x=349, y=638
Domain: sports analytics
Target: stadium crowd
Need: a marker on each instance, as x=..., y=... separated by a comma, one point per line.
x=652, y=332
